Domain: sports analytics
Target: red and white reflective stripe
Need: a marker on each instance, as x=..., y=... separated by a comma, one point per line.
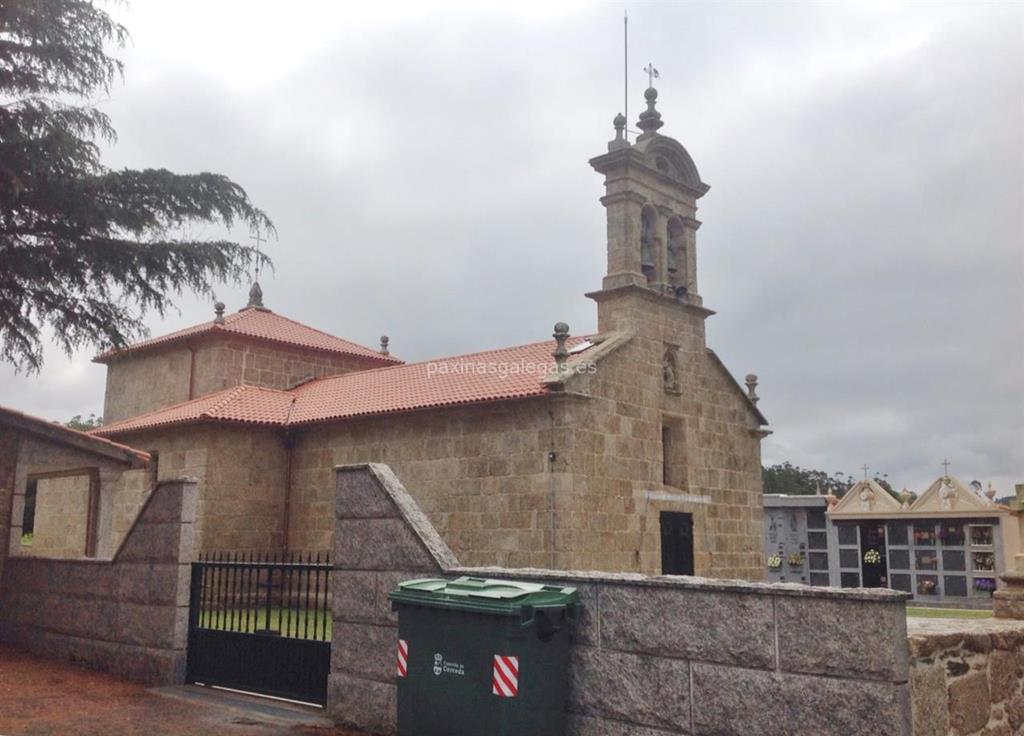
x=505, y=681
x=403, y=658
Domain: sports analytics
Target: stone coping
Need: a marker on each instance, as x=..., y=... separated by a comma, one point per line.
x=920, y=627
x=685, y=582
x=785, y=500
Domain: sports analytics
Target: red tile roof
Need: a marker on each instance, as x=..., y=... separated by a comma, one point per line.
x=494, y=375
x=263, y=325
x=57, y=432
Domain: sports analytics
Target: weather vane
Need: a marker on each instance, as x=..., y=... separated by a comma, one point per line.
x=652, y=74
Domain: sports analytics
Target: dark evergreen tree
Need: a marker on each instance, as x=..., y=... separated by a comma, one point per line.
x=85, y=249
x=84, y=425
x=794, y=480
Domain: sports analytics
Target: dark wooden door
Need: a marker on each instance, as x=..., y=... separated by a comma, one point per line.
x=676, y=543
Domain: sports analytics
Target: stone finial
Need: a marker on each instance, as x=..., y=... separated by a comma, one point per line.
x=218, y=310
x=620, y=134
x=650, y=119
x=561, y=336
x=255, y=295
x=905, y=497
x=752, y=388
x=384, y=340
x=990, y=493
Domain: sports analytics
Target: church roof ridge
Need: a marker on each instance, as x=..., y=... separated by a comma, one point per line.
x=261, y=324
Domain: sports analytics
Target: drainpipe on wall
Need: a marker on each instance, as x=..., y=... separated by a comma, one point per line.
x=286, y=516
x=552, y=459
x=191, y=372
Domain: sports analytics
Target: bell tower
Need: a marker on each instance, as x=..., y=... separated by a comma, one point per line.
x=651, y=192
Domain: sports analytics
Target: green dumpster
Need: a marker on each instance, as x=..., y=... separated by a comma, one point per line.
x=478, y=657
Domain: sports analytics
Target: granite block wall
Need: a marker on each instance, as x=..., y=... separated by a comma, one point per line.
x=241, y=478
x=653, y=656
x=127, y=615
x=967, y=677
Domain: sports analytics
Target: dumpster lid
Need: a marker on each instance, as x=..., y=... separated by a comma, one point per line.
x=483, y=595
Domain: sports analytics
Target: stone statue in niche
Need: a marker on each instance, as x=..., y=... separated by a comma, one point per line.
x=867, y=497
x=669, y=371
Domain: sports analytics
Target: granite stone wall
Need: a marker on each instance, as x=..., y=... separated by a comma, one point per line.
x=62, y=517
x=241, y=475
x=653, y=656
x=967, y=676
x=127, y=615
x=9, y=442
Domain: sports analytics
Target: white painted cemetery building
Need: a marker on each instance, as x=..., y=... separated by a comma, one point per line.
x=948, y=546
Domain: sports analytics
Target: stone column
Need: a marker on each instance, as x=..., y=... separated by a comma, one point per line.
x=690, y=225
x=623, y=212
x=1008, y=602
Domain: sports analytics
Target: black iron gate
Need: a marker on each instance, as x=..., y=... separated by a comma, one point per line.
x=261, y=623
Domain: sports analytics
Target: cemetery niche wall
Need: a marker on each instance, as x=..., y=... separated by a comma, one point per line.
x=796, y=539
x=947, y=547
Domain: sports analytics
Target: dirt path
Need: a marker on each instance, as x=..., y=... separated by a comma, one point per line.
x=40, y=697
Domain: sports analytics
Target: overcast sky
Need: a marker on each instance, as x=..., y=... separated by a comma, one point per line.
x=863, y=239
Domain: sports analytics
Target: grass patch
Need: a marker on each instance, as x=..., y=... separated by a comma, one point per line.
x=947, y=613
x=296, y=624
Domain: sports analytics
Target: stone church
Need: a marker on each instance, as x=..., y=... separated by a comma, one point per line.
x=632, y=449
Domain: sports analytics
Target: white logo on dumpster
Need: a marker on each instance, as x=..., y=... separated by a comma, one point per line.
x=444, y=667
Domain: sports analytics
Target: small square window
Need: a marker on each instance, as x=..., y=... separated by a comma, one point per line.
x=818, y=560
x=924, y=534
x=951, y=534
x=897, y=534
x=901, y=581
x=849, y=558
x=955, y=585
x=848, y=534
x=927, y=584
x=926, y=560
x=983, y=561
x=849, y=579
x=816, y=519
x=981, y=536
x=954, y=560
x=899, y=559
x=819, y=579
x=817, y=540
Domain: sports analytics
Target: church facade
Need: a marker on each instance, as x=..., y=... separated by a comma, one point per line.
x=630, y=449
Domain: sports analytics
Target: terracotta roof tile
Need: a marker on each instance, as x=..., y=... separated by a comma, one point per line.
x=508, y=373
x=246, y=404
x=261, y=324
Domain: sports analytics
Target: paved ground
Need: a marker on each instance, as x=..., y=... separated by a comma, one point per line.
x=40, y=697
